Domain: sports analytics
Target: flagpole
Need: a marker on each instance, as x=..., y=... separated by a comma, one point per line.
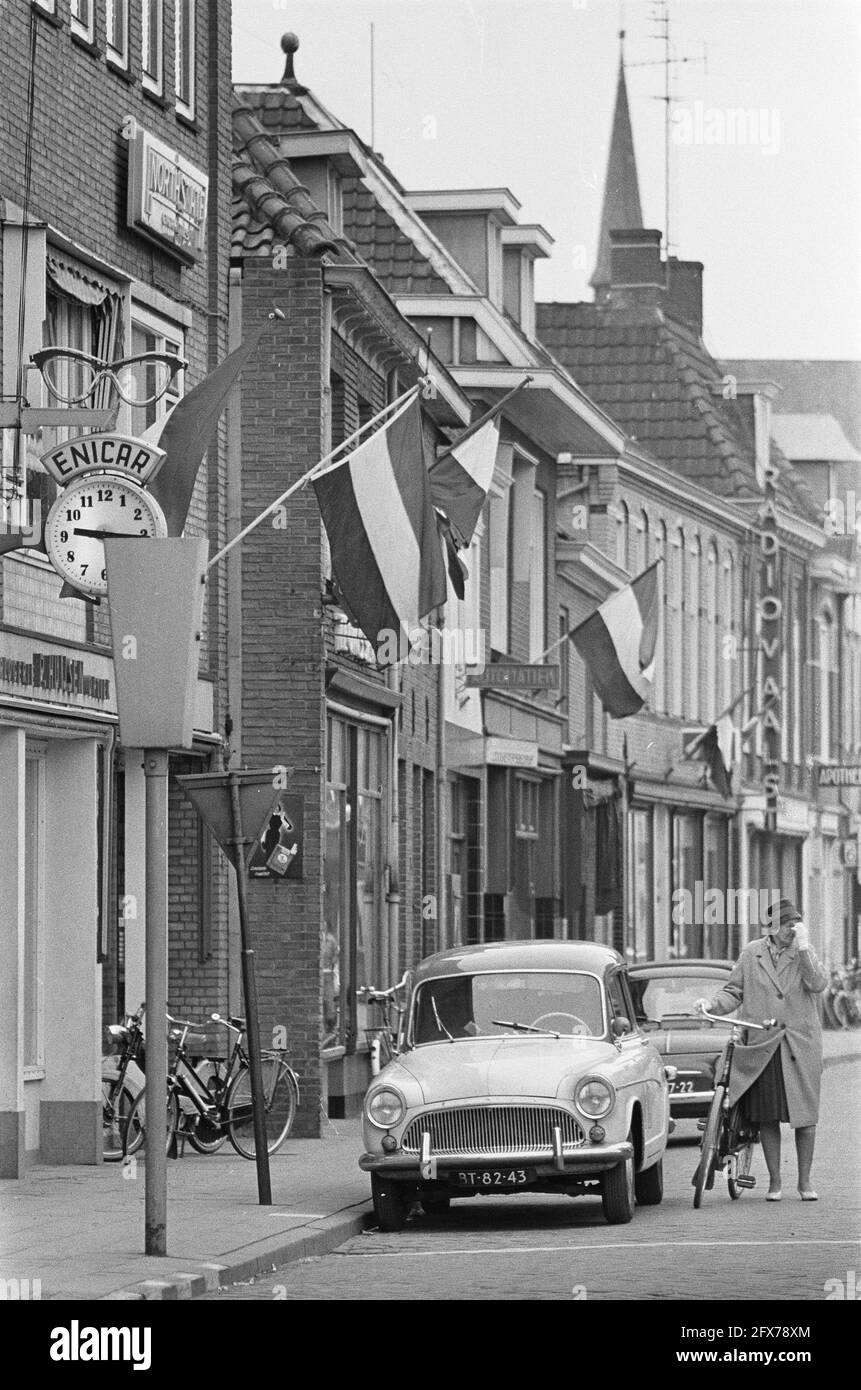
x=718, y=717
x=306, y=477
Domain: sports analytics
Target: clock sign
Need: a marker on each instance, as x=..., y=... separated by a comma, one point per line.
x=93, y=506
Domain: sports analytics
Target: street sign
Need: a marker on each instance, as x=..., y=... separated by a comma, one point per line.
x=209, y=793
x=847, y=775
x=278, y=853
x=514, y=675
x=155, y=599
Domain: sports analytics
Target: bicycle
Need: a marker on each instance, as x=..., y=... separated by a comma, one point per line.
x=118, y=1097
x=206, y=1110
x=382, y=1035
x=728, y=1138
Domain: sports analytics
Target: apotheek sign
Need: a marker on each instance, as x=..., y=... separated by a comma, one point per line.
x=167, y=196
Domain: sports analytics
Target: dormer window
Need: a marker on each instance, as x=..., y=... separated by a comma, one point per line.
x=521, y=247
x=754, y=400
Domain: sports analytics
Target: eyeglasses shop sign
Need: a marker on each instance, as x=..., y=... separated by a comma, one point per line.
x=167, y=196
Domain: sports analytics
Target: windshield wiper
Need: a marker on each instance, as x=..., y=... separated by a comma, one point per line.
x=439, y=1023
x=524, y=1027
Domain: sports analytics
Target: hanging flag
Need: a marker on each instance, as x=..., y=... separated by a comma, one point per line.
x=716, y=746
x=186, y=431
x=457, y=570
x=382, y=529
x=460, y=478
x=617, y=643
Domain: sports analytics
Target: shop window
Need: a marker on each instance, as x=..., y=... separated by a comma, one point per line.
x=494, y=917
x=641, y=934
x=34, y=910
x=185, y=56
x=718, y=935
x=545, y=919
x=526, y=813
x=687, y=932
x=152, y=45
x=354, y=954
x=117, y=32
x=83, y=19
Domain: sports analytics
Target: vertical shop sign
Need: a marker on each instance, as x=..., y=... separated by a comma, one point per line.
x=770, y=607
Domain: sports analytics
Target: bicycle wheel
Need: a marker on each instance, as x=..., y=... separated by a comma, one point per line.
x=741, y=1142
x=280, y=1098
x=117, y=1103
x=206, y=1136
x=135, y=1132
x=704, y=1176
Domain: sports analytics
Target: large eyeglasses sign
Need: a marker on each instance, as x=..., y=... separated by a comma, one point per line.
x=72, y=376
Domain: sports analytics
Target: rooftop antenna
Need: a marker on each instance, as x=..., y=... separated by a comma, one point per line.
x=661, y=17
x=373, y=120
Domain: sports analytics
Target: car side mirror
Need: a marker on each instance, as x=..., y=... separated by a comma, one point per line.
x=620, y=1026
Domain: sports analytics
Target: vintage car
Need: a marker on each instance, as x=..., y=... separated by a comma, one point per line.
x=520, y=1069
x=664, y=994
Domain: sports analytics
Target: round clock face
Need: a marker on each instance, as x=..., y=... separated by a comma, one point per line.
x=90, y=508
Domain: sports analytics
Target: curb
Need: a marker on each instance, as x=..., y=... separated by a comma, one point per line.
x=318, y=1238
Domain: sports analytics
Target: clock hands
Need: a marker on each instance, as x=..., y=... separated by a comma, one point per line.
x=96, y=531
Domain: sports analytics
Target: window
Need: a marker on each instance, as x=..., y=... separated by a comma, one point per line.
x=34, y=908
x=499, y=610
x=151, y=334
x=641, y=930
x=538, y=578
x=675, y=680
x=692, y=623
x=152, y=45
x=797, y=658
x=83, y=19
x=117, y=37
x=526, y=822
x=643, y=556
x=825, y=706
x=711, y=702
x=687, y=932
x=185, y=54
x=623, y=534
x=729, y=648
x=564, y=658
x=662, y=666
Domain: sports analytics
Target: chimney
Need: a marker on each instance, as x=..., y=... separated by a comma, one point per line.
x=636, y=268
x=684, y=298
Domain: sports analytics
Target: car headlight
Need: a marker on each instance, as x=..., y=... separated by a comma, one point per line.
x=385, y=1108
x=594, y=1097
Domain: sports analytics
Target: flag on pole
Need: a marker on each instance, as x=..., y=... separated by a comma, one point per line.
x=716, y=747
x=617, y=643
x=460, y=478
x=186, y=430
x=386, y=552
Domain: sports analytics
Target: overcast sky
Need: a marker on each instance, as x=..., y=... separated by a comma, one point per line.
x=519, y=93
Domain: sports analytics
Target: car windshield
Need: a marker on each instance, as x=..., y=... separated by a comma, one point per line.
x=510, y=1002
x=660, y=996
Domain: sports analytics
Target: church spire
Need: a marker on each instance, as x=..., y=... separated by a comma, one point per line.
x=621, y=210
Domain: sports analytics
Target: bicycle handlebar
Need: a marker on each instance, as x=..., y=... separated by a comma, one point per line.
x=740, y=1022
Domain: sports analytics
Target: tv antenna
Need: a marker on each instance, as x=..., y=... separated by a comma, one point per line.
x=660, y=16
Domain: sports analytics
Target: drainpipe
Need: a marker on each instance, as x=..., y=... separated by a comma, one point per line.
x=393, y=878
x=233, y=524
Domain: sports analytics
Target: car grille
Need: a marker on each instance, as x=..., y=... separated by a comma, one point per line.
x=483, y=1129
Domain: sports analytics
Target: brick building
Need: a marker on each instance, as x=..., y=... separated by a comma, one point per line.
x=98, y=255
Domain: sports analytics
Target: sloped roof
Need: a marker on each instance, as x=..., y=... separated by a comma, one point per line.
x=395, y=259
x=809, y=437
x=270, y=205
x=656, y=379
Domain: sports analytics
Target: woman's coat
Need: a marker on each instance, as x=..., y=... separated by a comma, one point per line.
x=785, y=992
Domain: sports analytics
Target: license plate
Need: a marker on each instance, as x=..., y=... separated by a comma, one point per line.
x=493, y=1177
x=681, y=1088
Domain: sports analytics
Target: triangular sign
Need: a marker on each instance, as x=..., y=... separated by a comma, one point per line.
x=209, y=793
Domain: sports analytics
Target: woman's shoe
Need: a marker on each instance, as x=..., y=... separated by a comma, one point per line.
x=774, y=1196
x=808, y=1195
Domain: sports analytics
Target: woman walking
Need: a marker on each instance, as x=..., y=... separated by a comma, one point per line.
x=777, y=977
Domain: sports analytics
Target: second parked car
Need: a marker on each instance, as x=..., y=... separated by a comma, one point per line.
x=664, y=994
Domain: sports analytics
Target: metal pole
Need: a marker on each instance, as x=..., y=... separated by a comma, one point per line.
x=249, y=989
x=155, y=1201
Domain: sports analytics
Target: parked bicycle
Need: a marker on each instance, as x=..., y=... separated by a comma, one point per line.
x=841, y=1001
x=211, y=1102
x=382, y=1034
x=125, y=1044
x=729, y=1137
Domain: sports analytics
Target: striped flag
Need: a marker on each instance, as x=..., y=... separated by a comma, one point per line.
x=716, y=747
x=386, y=550
x=617, y=643
x=460, y=478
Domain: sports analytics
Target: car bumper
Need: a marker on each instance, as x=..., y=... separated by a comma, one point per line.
x=591, y=1158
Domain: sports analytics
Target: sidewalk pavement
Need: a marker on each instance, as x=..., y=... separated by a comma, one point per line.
x=80, y=1230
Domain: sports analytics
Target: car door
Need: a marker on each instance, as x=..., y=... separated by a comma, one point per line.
x=648, y=1069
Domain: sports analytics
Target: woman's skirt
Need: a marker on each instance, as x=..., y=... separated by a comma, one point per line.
x=765, y=1101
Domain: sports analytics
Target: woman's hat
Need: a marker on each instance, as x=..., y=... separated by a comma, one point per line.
x=782, y=912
